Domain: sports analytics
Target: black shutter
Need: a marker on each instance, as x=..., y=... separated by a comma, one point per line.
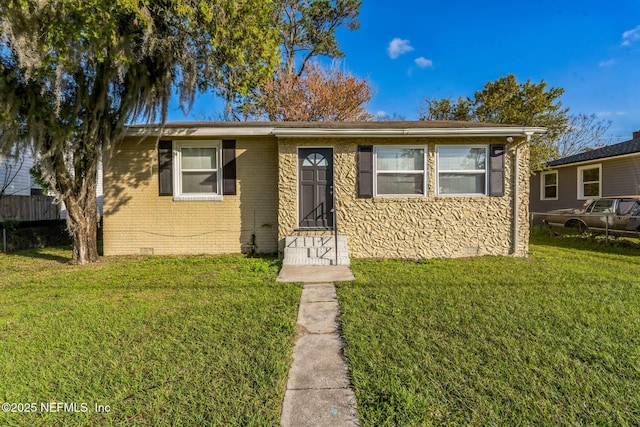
x=365, y=171
x=165, y=168
x=496, y=170
x=228, y=167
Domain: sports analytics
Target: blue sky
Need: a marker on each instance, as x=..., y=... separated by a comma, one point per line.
x=411, y=49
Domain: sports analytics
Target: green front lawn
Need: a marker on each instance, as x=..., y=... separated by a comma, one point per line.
x=549, y=340
x=160, y=340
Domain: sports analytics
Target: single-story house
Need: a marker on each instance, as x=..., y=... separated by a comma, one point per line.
x=613, y=170
x=419, y=189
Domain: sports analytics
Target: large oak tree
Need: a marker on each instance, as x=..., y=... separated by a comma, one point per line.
x=73, y=72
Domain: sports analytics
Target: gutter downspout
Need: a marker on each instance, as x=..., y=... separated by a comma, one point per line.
x=516, y=196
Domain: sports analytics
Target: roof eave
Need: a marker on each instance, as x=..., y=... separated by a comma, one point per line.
x=595, y=160
x=434, y=132
x=203, y=131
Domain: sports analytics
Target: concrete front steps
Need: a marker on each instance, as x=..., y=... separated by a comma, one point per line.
x=315, y=250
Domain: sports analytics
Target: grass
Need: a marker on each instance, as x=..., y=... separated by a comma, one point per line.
x=549, y=340
x=160, y=340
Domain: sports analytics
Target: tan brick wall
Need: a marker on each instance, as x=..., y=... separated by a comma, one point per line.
x=412, y=227
x=137, y=220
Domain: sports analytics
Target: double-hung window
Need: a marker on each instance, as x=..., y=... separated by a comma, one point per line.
x=198, y=174
x=400, y=171
x=549, y=185
x=462, y=170
x=589, y=183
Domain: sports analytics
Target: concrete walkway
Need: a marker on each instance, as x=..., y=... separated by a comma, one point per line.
x=319, y=391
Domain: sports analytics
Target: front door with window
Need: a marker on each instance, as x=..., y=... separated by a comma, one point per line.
x=315, y=192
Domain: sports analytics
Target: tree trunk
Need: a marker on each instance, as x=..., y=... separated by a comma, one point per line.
x=82, y=224
x=82, y=216
x=82, y=209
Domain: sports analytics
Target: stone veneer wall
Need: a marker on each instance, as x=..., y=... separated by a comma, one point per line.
x=412, y=227
x=137, y=220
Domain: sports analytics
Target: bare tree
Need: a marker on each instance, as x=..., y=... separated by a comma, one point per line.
x=10, y=169
x=584, y=132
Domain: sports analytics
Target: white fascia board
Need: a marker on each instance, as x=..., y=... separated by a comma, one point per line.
x=208, y=131
x=198, y=131
x=437, y=132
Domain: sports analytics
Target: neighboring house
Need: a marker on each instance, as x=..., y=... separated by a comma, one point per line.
x=15, y=178
x=21, y=198
x=399, y=189
x=613, y=170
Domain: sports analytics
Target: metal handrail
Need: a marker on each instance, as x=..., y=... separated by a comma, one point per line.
x=335, y=224
x=335, y=229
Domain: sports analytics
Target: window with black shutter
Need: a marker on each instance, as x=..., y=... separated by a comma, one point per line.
x=165, y=168
x=365, y=171
x=496, y=165
x=228, y=167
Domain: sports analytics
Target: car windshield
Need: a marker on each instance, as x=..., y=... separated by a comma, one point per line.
x=603, y=206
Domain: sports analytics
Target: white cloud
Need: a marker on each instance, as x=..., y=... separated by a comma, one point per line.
x=423, y=62
x=398, y=47
x=631, y=36
x=608, y=63
x=611, y=113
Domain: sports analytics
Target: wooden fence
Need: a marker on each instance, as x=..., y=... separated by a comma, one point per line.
x=28, y=208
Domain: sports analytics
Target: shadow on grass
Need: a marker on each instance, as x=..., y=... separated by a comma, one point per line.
x=44, y=254
x=593, y=243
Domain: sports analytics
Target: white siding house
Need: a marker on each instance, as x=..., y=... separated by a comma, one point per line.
x=15, y=178
x=569, y=182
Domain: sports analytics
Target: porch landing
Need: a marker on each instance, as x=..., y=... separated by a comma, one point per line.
x=315, y=273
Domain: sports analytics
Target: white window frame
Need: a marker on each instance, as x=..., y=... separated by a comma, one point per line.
x=543, y=186
x=425, y=153
x=581, y=183
x=462, y=171
x=177, y=170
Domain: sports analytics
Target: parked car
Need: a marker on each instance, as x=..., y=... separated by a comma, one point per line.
x=615, y=215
